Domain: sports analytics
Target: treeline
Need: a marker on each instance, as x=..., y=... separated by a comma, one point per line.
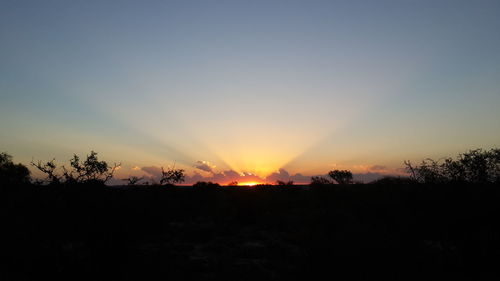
x=394, y=229
x=474, y=166
x=88, y=171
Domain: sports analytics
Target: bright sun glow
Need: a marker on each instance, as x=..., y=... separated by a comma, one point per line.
x=250, y=183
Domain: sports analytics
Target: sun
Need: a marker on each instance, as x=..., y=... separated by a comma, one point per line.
x=249, y=183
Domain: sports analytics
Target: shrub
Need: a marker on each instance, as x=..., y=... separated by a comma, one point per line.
x=11, y=173
x=133, y=180
x=319, y=181
x=341, y=176
x=474, y=166
x=89, y=171
x=283, y=183
x=171, y=176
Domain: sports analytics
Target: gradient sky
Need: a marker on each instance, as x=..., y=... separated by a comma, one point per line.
x=249, y=86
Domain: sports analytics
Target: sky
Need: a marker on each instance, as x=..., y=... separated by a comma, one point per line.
x=249, y=90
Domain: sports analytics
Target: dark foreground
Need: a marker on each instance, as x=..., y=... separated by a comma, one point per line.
x=360, y=232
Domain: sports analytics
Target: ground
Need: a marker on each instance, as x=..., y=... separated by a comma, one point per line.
x=353, y=232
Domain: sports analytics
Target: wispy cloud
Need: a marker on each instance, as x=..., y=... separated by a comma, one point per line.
x=378, y=168
x=153, y=171
x=205, y=166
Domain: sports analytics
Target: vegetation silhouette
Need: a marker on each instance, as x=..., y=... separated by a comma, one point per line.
x=474, y=166
x=11, y=173
x=172, y=176
x=89, y=171
x=395, y=228
x=134, y=180
x=283, y=183
x=341, y=177
x=203, y=185
x=393, y=180
x=320, y=181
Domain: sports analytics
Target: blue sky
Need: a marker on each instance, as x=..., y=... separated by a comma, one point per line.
x=249, y=86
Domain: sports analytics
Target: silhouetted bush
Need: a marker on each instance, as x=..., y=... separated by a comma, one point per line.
x=283, y=183
x=206, y=185
x=171, y=176
x=133, y=180
x=90, y=171
x=319, y=181
x=341, y=176
x=474, y=166
x=11, y=173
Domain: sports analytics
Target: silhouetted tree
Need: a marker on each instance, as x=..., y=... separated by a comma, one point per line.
x=91, y=170
x=233, y=183
x=11, y=173
x=341, y=176
x=171, y=176
x=480, y=166
x=429, y=171
x=474, y=166
x=206, y=185
x=49, y=169
x=318, y=181
x=278, y=182
x=133, y=180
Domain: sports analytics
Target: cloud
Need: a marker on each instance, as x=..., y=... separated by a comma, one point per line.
x=153, y=171
x=205, y=166
x=195, y=178
x=281, y=175
x=153, y=174
x=377, y=168
x=367, y=177
x=284, y=175
x=229, y=176
x=299, y=178
x=225, y=177
x=402, y=171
